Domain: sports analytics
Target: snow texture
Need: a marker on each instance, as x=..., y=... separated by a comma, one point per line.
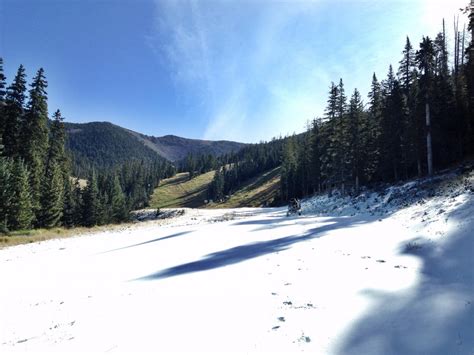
x=386, y=272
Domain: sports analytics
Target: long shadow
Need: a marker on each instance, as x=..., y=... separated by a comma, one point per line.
x=282, y=221
x=150, y=241
x=249, y=251
x=438, y=316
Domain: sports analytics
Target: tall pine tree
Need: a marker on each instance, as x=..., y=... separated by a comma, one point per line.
x=34, y=135
x=13, y=114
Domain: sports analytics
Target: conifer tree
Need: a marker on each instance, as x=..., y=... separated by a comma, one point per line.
x=356, y=151
x=13, y=113
x=407, y=66
x=374, y=129
x=5, y=193
x=90, y=202
x=34, y=135
x=77, y=203
x=119, y=206
x=20, y=214
x=425, y=61
x=216, y=188
x=69, y=206
x=56, y=152
x=52, y=197
x=340, y=140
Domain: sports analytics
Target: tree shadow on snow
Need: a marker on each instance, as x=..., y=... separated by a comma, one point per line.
x=250, y=251
x=438, y=316
x=149, y=241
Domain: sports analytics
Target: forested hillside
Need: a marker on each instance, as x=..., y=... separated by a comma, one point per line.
x=103, y=145
x=417, y=120
x=36, y=184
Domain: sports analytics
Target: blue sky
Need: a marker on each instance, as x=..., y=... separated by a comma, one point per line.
x=232, y=69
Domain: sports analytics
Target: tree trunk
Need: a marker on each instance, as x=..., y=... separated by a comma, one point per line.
x=429, y=150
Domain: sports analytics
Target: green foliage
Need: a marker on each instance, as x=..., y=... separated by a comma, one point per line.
x=5, y=192
x=34, y=136
x=69, y=206
x=102, y=146
x=216, y=187
x=118, y=203
x=91, y=208
x=13, y=114
x=20, y=215
x=52, y=196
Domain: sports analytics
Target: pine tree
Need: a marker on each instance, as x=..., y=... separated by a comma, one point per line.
x=416, y=124
x=20, y=215
x=425, y=61
x=374, y=145
x=340, y=139
x=394, y=117
x=13, y=113
x=77, y=203
x=357, y=139
x=119, y=206
x=216, y=188
x=407, y=66
x=5, y=193
x=90, y=202
x=56, y=152
x=69, y=206
x=52, y=197
x=34, y=135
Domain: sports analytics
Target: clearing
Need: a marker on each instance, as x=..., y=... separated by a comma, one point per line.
x=388, y=272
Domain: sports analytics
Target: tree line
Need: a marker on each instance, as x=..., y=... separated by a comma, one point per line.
x=36, y=187
x=236, y=168
x=418, y=119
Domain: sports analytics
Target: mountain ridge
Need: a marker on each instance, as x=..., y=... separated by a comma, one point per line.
x=105, y=144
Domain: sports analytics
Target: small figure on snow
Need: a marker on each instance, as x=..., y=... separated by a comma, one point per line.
x=294, y=207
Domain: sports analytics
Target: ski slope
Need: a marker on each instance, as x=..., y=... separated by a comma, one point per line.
x=389, y=272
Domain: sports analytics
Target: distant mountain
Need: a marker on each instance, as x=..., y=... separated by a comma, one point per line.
x=103, y=144
x=176, y=148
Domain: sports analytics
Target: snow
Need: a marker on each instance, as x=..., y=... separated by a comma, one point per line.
x=386, y=272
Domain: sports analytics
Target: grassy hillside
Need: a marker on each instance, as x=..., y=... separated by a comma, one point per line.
x=178, y=191
x=256, y=192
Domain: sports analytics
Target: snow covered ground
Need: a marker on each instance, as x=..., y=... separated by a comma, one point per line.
x=388, y=272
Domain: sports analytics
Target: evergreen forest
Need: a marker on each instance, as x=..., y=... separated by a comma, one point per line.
x=417, y=120
x=37, y=187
